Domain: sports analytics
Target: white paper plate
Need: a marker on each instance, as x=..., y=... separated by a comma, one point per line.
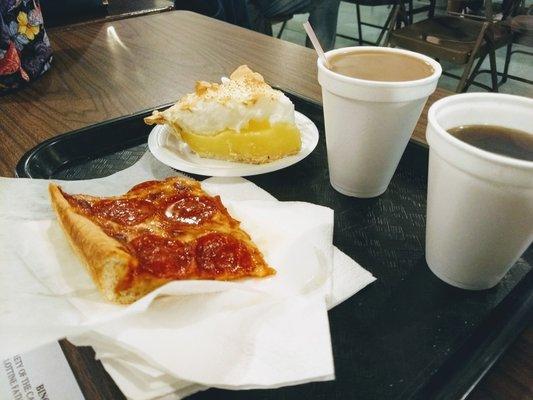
x=176, y=154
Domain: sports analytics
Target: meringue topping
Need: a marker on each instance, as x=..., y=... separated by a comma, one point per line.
x=231, y=104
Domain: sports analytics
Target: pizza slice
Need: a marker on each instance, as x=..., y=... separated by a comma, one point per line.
x=157, y=232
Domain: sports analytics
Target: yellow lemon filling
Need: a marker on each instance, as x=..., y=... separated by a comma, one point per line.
x=257, y=143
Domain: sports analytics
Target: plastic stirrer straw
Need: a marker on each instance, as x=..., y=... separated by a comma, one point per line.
x=316, y=43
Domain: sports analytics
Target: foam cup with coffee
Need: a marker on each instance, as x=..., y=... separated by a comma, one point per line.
x=372, y=98
x=480, y=187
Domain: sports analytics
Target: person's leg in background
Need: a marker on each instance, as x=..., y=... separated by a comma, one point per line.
x=456, y=6
x=261, y=12
x=323, y=15
x=233, y=11
x=276, y=8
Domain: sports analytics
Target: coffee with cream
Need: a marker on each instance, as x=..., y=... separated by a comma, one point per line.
x=382, y=66
x=369, y=120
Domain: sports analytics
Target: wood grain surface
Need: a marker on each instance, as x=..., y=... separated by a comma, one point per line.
x=105, y=70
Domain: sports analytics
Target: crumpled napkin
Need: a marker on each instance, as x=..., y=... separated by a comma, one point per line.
x=251, y=333
x=140, y=380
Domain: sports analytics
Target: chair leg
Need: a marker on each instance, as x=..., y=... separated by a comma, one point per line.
x=410, y=12
x=385, y=27
x=507, y=62
x=466, y=73
x=392, y=24
x=359, y=26
x=474, y=73
x=493, y=70
x=281, y=29
x=268, y=28
x=473, y=55
x=431, y=12
x=403, y=14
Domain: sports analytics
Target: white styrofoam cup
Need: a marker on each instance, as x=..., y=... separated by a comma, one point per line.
x=480, y=204
x=369, y=123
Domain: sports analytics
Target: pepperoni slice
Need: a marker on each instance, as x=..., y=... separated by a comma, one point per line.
x=191, y=210
x=162, y=257
x=218, y=253
x=155, y=190
x=76, y=201
x=123, y=211
x=143, y=186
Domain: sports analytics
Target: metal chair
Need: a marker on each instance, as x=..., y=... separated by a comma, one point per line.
x=282, y=19
x=522, y=27
x=519, y=19
x=383, y=28
x=458, y=38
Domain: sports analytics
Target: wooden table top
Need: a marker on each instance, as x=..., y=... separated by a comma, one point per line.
x=106, y=70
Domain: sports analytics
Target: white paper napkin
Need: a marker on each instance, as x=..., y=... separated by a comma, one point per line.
x=44, y=286
x=139, y=380
x=262, y=335
x=348, y=278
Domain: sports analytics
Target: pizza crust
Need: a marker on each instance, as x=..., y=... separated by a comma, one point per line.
x=104, y=257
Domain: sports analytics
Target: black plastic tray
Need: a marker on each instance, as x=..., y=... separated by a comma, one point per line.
x=408, y=335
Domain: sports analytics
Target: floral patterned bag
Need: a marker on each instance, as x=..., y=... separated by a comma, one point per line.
x=25, y=52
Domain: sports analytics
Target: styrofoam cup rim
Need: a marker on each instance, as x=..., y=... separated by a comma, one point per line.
x=471, y=98
x=437, y=69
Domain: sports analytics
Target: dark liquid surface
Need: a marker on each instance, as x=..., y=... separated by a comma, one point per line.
x=497, y=139
x=380, y=66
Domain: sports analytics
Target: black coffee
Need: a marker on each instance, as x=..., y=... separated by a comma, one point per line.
x=497, y=139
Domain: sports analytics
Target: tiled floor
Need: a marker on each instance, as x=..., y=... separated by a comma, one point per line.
x=521, y=65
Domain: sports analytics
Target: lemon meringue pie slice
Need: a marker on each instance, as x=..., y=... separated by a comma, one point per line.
x=240, y=119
